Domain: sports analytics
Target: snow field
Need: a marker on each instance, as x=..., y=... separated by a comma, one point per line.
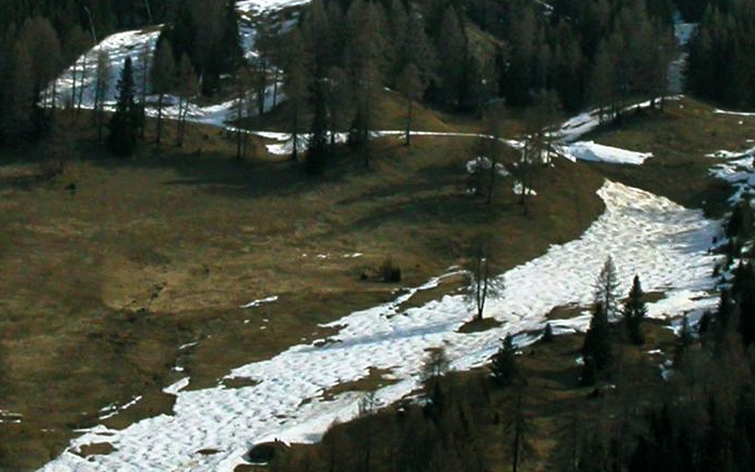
x=661, y=241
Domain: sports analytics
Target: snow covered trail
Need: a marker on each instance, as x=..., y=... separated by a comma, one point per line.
x=661, y=241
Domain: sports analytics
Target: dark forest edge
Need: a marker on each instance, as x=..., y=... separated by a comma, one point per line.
x=458, y=55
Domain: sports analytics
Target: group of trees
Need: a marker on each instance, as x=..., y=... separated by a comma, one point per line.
x=30, y=57
x=103, y=16
x=461, y=55
x=722, y=54
x=597, y=350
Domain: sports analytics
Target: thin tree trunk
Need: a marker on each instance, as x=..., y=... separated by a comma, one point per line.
x=73, y=80
x=275, y=87
x=83, y=76
x=407, y=141
x=295, y=136
x=160, y=99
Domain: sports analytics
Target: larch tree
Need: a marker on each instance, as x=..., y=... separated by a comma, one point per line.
x=101, y=88
x=411, y=86
x=296, y=85
x=145, y=67
x=43, y=44
x=483, y=283
x=607, y=289
x=124, y=124
x=76, y=41
x=451, y=45
x=317, y=145
x=163, y=80
x=188, y=86
x=18, y=95
x=339, y=100
x=519, y=432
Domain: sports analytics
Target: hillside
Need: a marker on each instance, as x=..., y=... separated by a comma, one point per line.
x=300, y=247
x=202, y=234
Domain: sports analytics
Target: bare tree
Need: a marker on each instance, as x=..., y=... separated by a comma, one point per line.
x=519, y=432
x=102, y=85
x=412, y=86
x=163, y=80
x=484, y=284
x=145, y=60
x=188, y=86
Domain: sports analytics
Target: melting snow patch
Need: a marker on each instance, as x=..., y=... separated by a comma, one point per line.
x=112, y=410
x=518, y=190
x=591, y=151
x=257, y=303
x=734, y=113
x=178, y=386
x=484, y=163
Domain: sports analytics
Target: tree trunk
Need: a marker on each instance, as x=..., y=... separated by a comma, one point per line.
x=160, y=99
x=407, y=141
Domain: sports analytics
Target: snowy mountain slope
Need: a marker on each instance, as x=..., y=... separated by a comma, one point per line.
x=647, y=235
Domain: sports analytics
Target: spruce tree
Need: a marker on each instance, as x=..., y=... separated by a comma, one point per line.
x=124, y=125
x=596, y=350
x=503, y=366
x=634, y=312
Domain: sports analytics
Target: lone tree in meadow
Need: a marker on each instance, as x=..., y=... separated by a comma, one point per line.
x=484, y=284
x=125, y=123
x=634, y=312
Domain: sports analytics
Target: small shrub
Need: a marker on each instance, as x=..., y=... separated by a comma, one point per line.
x=390, y=272
x=548, y=333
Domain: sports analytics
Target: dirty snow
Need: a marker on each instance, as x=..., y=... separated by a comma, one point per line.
x=287, y=402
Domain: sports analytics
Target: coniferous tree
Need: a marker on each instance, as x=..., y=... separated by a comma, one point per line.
x=596, y=350
x=503, y=365
x=548, y=335
x=124, y=124
x=634, y=312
